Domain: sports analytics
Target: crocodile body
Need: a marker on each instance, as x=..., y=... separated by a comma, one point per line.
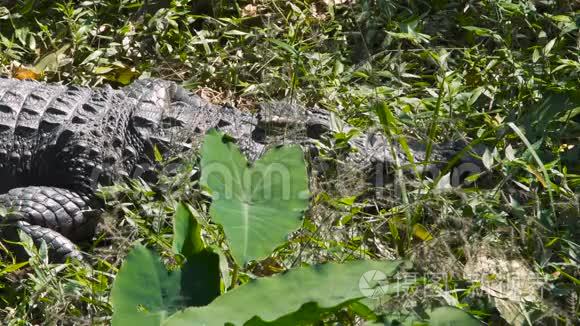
x=59, y=143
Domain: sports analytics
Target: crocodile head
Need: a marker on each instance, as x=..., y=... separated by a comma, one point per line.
x=161, y=113
x=284, y=120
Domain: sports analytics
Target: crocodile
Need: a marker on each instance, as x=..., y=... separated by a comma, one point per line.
x=60, y=143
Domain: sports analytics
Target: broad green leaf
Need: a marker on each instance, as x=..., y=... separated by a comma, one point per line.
x=91, y=57
x=186, y=232
x=440, y=316
x=535, y=55
x=487, y=159
x=200, y=279
x=447, y=315
x=52, y=61
x=31, y=42
x=145, y=293
x=294, y=297
x=549, y=46
x=510, y=153
x=257, y=206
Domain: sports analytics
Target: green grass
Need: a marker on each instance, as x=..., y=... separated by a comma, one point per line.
x=501, y=74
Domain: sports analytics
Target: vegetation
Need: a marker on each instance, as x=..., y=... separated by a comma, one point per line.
x=144, y=291
x=495, y=73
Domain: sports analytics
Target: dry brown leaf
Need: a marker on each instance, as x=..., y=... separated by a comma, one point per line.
x=508, y=280
x=23, y=73
x=249, y=10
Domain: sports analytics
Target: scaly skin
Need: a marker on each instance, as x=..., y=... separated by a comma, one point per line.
x=59, y=143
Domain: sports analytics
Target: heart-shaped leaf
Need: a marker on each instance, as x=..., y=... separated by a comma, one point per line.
x=259, y=205
x=146, y=293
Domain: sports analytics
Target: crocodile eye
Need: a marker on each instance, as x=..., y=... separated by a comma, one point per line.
x=259, y=135
x=143, y=122
x=169, y=122
x=316, y=130
x=223, y=123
